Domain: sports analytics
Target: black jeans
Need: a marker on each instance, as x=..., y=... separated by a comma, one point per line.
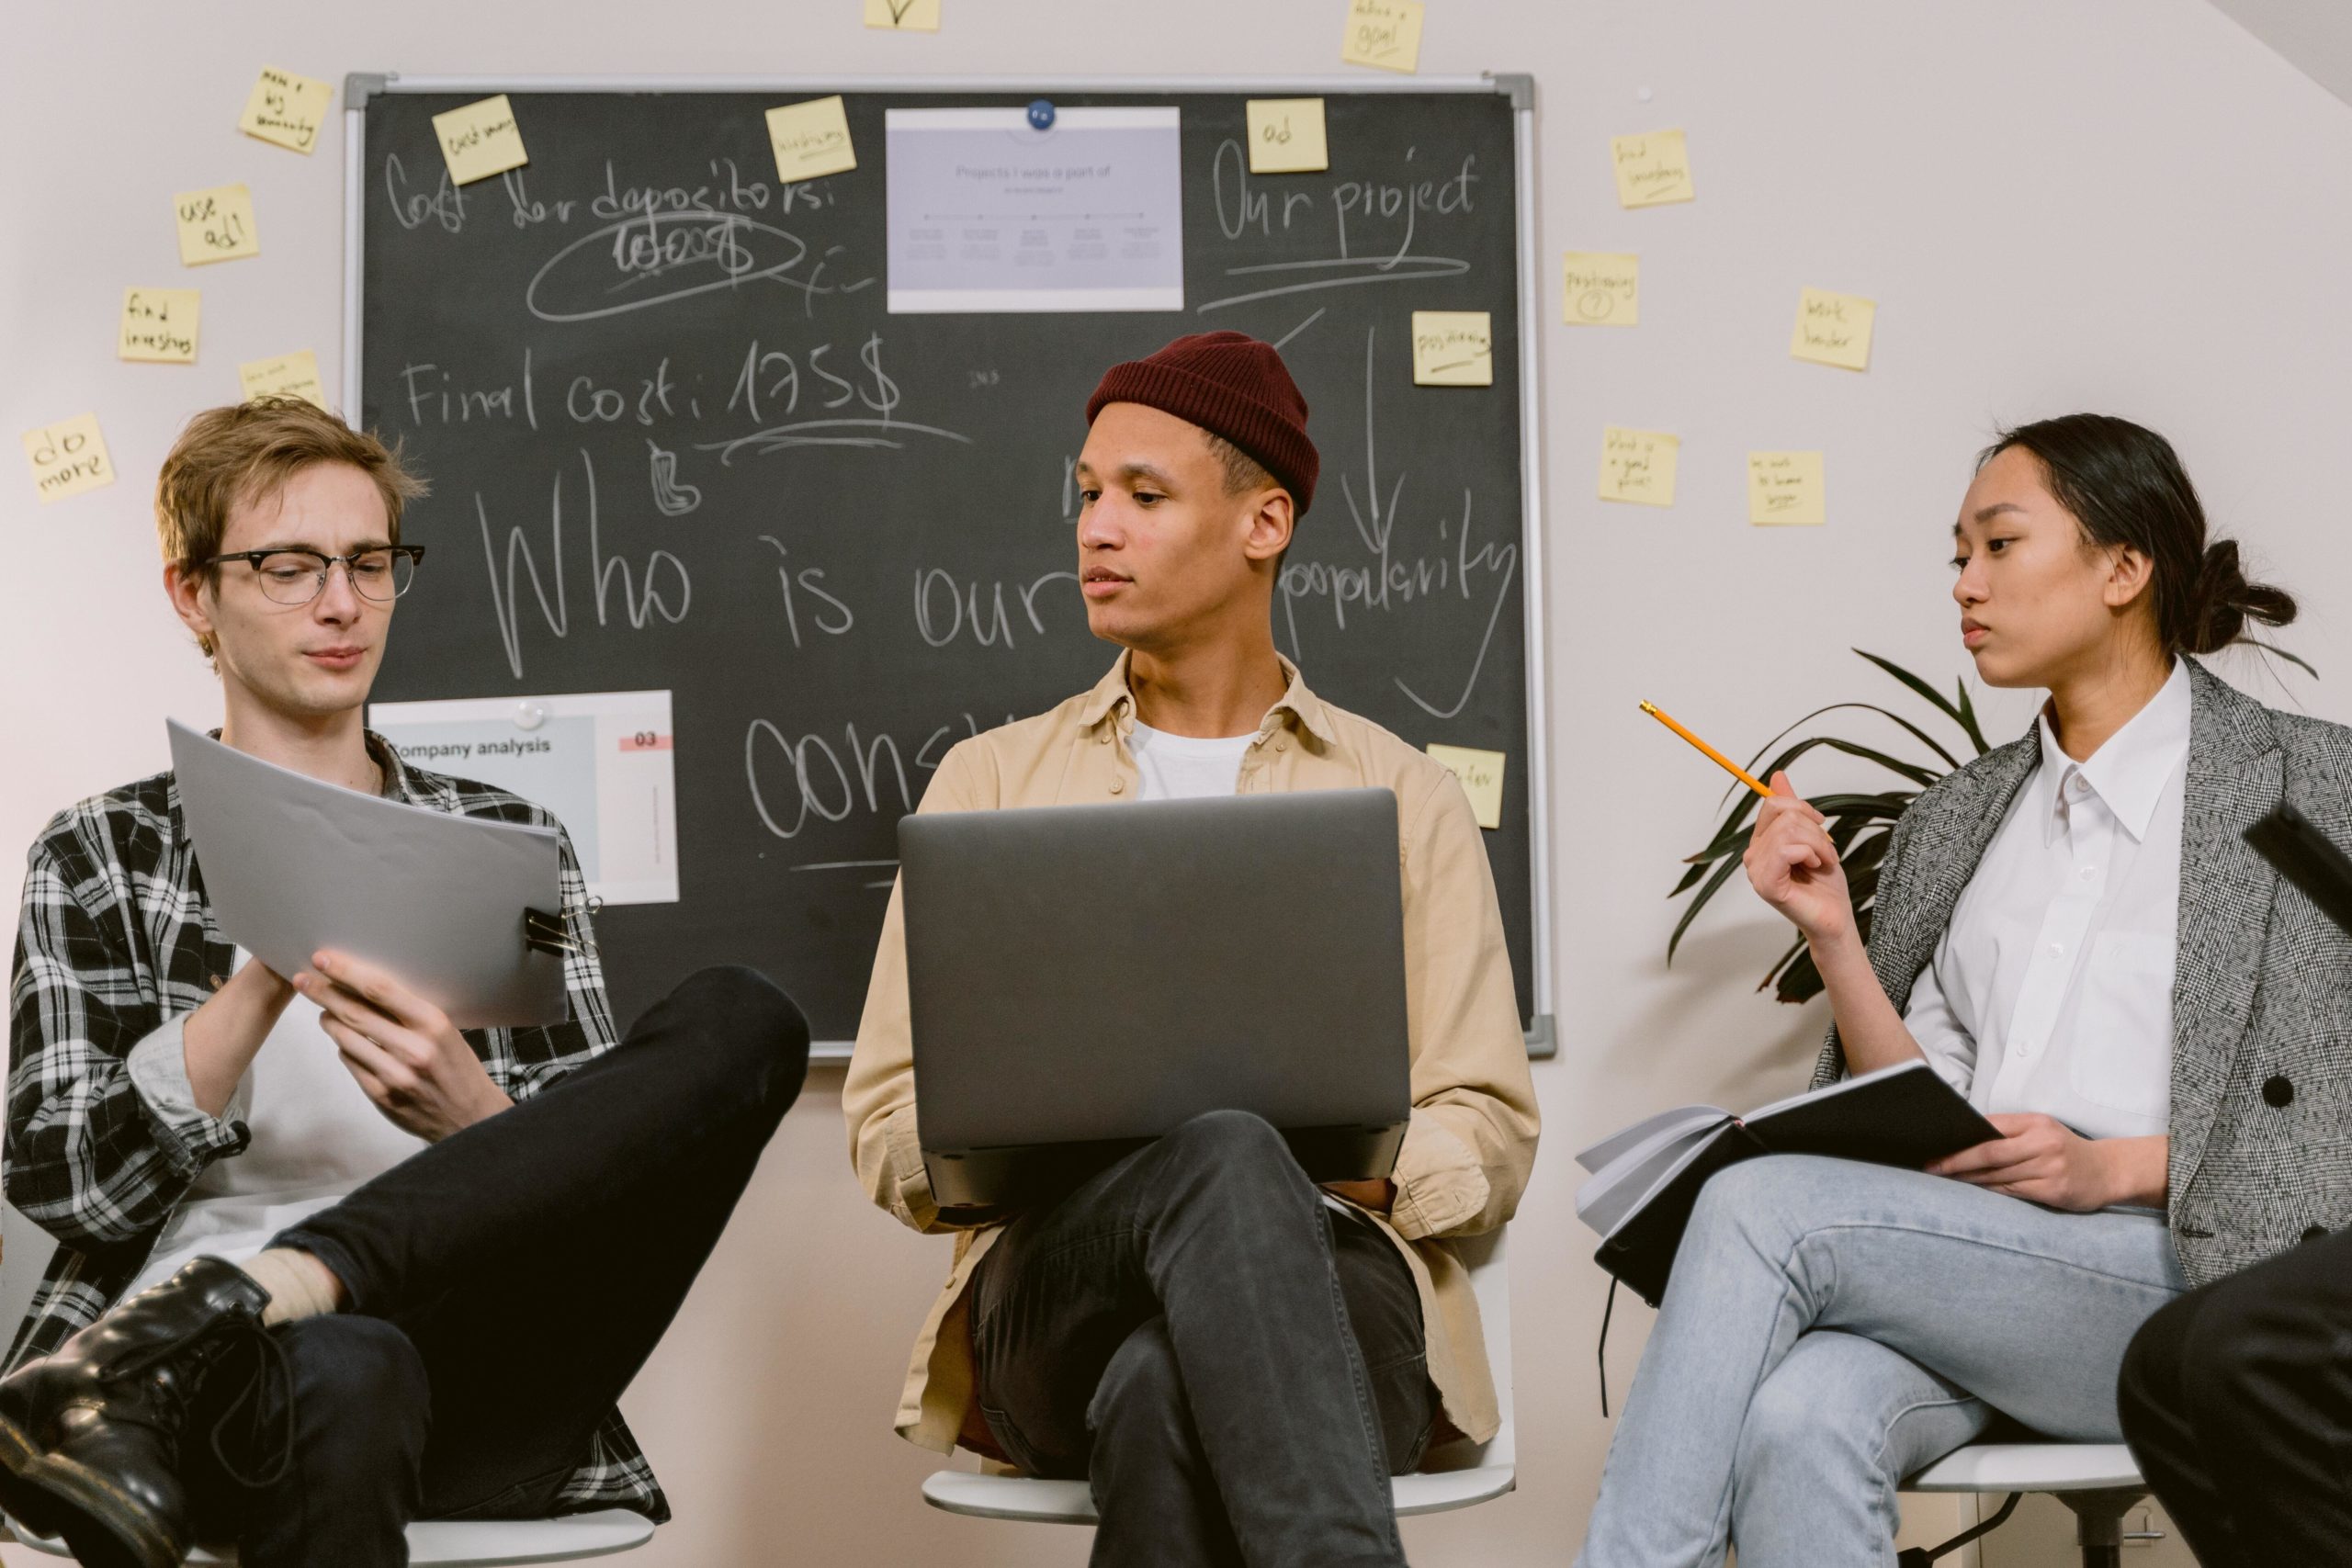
x=504, y=1285
x=1235, y=1368
x=2237, y=1401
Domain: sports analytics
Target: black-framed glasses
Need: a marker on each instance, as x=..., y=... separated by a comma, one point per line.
x=297, y=577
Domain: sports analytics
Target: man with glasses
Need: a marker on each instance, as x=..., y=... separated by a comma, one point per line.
x=327, y=1264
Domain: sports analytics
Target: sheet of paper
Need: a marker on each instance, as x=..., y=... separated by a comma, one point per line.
x=903, y=16
x=603, y=762
x=1386, y=33
x=1481, y=773
x=479, y=139
x=1784, y=488
x=68, y=458
x=158, y=326
x=811, y=139
x=987, y=213
x=1638, y=465
x=1652, y=169
x=1454, y=348
x=287, y=376
x=216, y=224
x=287, y=109
x=282, y=853
x=1834, y=328
x=1286, y=136
x=1601, y=289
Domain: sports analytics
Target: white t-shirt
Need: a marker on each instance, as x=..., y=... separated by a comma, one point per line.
x=316, y=1136
x=1181, y=767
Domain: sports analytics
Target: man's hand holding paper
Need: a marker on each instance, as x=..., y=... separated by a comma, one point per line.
x=409, y=1058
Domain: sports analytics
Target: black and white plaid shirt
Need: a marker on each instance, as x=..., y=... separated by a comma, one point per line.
x=116, y=939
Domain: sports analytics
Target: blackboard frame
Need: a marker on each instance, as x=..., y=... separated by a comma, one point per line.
x=1542, y=1039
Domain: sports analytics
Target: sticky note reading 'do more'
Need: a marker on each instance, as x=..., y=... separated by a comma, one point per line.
x=1454, y=348
x=68, y=458
x=1638, y=465
x=287, y=109
x=1601, y=289
x=158, y=325
x=1834, y=328
x=1784, y=489
x=1652, y=170
x=1481, y=773
x=811, y=139
x=903, y=16
x=480, y=140
x=1386, y=33
x=216, y=224
x=1286, y=136
x=287, y=376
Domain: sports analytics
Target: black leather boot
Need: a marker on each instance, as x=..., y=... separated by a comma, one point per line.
x=90, y=1436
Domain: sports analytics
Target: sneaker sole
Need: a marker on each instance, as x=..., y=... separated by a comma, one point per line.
x=58, y=1499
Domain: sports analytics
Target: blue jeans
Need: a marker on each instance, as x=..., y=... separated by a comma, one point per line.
x=1832, y=1328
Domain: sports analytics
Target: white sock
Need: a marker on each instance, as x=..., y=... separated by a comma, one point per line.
x=299, y=1285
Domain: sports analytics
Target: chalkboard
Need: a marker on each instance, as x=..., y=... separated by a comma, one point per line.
x=694, y=451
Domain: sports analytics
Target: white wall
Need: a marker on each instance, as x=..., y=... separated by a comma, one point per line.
x=2059, y=203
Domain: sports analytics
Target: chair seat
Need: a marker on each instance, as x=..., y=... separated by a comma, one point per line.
x=2031, y=1466
x=1069, y=1503
x=475, y=1543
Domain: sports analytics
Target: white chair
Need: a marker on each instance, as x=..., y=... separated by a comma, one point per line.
x=475, y=1543
x=1459, y=1475
x=2098, y=1480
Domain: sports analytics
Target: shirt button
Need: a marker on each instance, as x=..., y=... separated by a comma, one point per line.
x=1107, y=738
x=1283, y=745
x=2057, y=950
x=2090, y=871
x=1118, y=786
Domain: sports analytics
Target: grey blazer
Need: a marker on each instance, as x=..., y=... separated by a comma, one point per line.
x=2261, y=1127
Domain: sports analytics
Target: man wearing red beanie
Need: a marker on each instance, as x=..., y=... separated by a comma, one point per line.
x=1235, y=1361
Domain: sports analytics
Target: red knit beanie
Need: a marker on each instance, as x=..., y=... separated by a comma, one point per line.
x=1230, y=385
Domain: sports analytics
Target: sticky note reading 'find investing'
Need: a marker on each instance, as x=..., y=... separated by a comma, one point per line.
x=1784, y=489
x=1454, y=348
x=158, y=325
x=287, y=376
x=1385, y=33
x=1286, y=136
x=68, y=458
x=811, y=139
x=1834, y=328
x=216, y=224
x=1481, y=773
x=287, y=109
x=1652, y=170
x=1638, y=465
x=480, y=140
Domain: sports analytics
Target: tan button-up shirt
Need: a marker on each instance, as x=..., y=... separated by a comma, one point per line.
x=1471, y=1140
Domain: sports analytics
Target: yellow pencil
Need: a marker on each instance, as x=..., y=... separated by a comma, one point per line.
x=1734, y=769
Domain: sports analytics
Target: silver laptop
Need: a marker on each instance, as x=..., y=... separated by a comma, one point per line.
x=1086, y=979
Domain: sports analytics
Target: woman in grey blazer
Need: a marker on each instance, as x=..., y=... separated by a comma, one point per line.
x=2071, y=932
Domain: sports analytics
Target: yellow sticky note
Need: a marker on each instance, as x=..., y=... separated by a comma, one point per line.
x=1834, y=328
x=287, y=109
x=158, y=326
x=287, y=376
x=903, y=16
x=1652, y=170
x=811, y=139
x=68, y=458
x=480, y=140
x=1454, y=348
x=1785, y=489
x=1638, y=465
x=216, y=224
x=1386, y=33
x=1286, y=136
x=1481, y=773
x=1601, y=289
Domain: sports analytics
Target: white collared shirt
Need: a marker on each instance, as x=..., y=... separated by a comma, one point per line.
x=2050, y=990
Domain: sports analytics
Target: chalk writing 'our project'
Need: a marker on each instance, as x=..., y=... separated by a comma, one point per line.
x=1601, y=289
x=287, y=109
x=1652, y=170
x=1385, y=33
x=811, y=139
x=1834, y=328
x=479, y=139
x=68, y=458
x=158, y=326
x=216, y=224
x=1286, y=136
x=1638, y=465
x=1784, y=490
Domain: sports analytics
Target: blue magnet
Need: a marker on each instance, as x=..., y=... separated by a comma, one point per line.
x=1041, y=114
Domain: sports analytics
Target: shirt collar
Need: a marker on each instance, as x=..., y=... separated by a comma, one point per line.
x=2129, y=772
x=1111, y=699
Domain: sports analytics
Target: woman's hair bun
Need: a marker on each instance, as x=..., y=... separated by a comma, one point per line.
x=2223, y=601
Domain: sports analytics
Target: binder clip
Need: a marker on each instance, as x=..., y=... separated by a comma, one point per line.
x=543, y=933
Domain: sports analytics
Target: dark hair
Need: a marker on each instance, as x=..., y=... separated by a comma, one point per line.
x=1242, y=472
x=2124, y=484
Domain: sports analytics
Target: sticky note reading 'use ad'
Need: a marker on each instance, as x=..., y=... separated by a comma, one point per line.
x=903, y=16
x=1601, y=289
x=480, y=140
x=1454, y=348
x=287, y=376
x=68, y=458
x=1652, y=170
x=216, y=224
x=1481, y=773
x=811, y=139
x=1834, y=328
x=287, y=109
x=1386, y=33
x=1638, y=465
x=1286, y=136
x=1785, y=489
x=158, y=326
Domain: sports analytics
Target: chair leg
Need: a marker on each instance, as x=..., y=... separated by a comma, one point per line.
x=2100, y=1519
x=1923, y=1556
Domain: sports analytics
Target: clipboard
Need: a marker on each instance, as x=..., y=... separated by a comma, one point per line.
x=2307, y=858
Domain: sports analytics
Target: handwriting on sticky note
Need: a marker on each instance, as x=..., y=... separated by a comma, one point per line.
x=1386, y=33
x=903, y=16
x=1652, y=169
x=287, y=376
x=216, y=224
x=811, y=139
x=1286, y=136
x=68, y=458
x=287, y=109
x=1481, y=773
x=1784, y=489
x=1454, y=348
x=1601, y=289
x=158, y=326
x=479, y=139
x=1638, y=465
x=1834, y=328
